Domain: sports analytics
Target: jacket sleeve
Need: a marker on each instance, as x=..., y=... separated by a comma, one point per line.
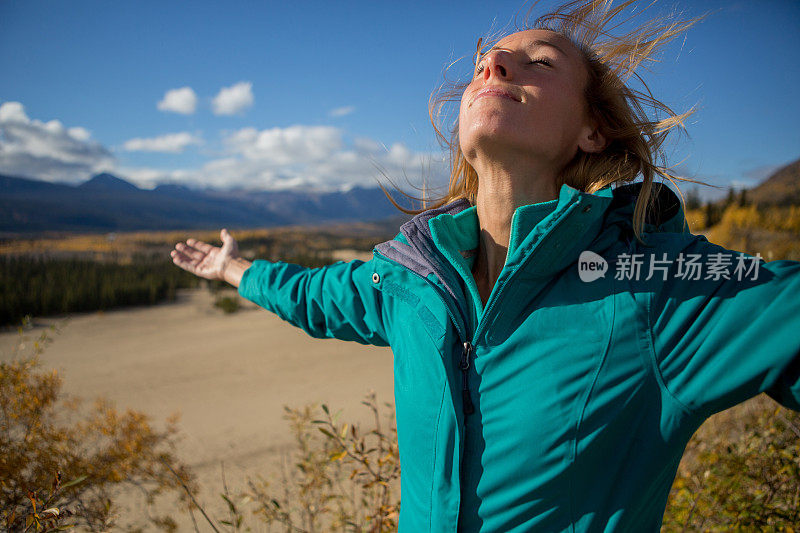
x=334, y=301
x=718, y=342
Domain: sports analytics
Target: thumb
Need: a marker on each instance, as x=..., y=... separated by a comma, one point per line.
x=228, y=242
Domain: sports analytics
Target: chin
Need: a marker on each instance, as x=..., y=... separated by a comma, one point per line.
x=492, y=132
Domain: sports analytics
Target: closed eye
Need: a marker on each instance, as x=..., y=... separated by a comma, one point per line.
x=546, y=62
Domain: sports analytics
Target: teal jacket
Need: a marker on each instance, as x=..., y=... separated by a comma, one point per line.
x=563, y=404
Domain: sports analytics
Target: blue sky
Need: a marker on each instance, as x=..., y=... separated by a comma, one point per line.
x=319, y=94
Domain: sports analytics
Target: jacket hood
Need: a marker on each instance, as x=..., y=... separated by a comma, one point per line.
x=665, y=214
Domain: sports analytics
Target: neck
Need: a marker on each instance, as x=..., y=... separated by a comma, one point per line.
x=500, y=193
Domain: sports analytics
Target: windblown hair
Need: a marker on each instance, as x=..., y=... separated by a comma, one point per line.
x=634, y=137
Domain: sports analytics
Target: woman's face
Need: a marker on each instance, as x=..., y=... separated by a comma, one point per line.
x=526, y=100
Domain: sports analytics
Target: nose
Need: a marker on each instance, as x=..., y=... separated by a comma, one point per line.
x=496, y=63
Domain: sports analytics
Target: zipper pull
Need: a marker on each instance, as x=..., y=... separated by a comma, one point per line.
x=464, y=365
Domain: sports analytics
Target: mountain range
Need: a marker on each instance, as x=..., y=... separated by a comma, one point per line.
x=781, y=188
x=107, y=203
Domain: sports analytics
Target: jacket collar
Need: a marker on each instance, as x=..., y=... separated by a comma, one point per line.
x=665, y=215
x=582, y=221
x=569, y=228
x=560, y=237
x=419, y=254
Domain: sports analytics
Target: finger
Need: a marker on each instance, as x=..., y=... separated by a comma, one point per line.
x=200, y=245
x=181, y=257
x=183, y=261
x=229, y=244
x=190, y=252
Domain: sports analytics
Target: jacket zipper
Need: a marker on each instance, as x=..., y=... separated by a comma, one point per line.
x=469, y=408
x=493, y=302
x=467, y=351
x=464, y=365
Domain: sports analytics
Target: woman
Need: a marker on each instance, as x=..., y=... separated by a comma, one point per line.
x=557, y=340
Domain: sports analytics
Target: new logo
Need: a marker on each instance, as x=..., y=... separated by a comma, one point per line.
x=591, y=266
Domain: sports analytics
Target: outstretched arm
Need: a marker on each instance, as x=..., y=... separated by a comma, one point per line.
x=212, y=262
x=718, y=342
x=338, y=300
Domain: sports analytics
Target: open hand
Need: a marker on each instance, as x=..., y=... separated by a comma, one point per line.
x=205, y=260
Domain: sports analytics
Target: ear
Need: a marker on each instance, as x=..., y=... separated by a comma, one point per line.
x=591, y=140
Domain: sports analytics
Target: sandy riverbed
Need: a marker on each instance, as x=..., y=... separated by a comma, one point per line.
x=229, y=376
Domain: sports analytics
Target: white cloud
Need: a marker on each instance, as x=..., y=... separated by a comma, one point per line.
x=183, y=101
x=365, y=145
x=341, y=111
x=286, y=146
x=743, y=184
x=234, y=99
x=299, y=157
x=79, y=134
x=306, y=157
x=13, y=112
x=143, y=177
x=47, y=150
x=147, y=178
x=54, y=126
x=313, y=157
x=170, y=143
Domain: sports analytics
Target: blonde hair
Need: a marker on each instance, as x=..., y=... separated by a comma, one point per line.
x=634, y=138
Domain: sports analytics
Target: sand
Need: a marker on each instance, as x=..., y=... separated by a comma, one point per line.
x=228, y=376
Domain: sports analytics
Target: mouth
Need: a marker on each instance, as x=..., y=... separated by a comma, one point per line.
x=497, y=92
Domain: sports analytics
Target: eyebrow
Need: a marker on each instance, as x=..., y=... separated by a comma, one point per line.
x=537, y=42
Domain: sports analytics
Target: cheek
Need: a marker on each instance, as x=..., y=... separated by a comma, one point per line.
x=463, y=120
x=462, y=109
x=574, y=106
